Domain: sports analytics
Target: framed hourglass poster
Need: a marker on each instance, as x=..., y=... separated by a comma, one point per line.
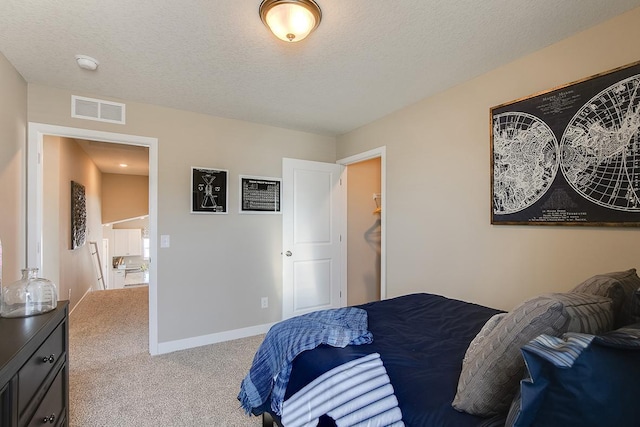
x=209, y=190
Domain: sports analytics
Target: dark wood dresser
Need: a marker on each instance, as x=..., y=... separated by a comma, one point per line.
x=34, y=372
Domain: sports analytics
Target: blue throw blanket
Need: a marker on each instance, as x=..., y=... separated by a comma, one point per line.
x=271, y=368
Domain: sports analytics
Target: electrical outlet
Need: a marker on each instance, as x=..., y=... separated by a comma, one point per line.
x=265, y=302
x=69, y=294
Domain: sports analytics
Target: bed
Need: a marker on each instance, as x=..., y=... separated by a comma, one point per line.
x=439, y=354
x=421, y=339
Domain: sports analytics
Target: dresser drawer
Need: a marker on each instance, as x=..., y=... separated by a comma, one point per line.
x=36, y=369
x=51, y=409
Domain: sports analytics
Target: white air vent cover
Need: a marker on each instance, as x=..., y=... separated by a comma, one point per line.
x=97, y=109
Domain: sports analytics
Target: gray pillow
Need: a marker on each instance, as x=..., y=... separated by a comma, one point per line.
x=493, y=365
x=620, y=286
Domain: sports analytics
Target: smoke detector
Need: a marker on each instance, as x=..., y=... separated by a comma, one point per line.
x=87, y=62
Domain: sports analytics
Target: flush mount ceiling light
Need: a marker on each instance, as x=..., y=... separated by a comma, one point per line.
x=87, y=62
x=290, y=20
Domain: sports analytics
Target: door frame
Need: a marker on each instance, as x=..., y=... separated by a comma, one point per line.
x=35, y=141
x=380, y=152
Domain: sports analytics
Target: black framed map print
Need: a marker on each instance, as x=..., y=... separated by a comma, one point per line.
x=570, y=155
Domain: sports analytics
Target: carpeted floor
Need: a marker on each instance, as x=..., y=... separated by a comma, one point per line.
x=114, y=381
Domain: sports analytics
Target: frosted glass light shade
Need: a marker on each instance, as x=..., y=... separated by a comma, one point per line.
x=290, y=20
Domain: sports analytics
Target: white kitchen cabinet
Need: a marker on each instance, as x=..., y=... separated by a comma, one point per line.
x=127, y=242
x=118, y=279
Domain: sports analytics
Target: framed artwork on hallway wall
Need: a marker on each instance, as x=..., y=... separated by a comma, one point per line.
x=78, y=215
x=209, y=188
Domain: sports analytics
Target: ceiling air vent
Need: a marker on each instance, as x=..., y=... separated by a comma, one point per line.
x=97, y=109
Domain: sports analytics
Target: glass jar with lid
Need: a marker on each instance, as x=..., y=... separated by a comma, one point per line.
x=28, y=296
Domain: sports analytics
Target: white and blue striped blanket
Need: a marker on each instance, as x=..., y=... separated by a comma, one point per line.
x=271, y=368
x=355, y=393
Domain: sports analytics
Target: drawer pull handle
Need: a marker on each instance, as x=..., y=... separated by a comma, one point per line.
x=50, y=359
x=50, y=419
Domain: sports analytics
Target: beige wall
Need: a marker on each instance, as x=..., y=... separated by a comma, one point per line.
x=218, y=267
x=438, y=226
x=363, y=232
x=72, y=270
x=124, y=197
x=13, y=130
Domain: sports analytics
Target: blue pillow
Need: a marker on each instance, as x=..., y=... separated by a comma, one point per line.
x=580, y=380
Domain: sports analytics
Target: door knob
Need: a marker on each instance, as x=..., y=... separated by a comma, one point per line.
x=288, y=253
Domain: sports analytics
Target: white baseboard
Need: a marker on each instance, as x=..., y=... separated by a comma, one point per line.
x=78, y=303
x=184, y=344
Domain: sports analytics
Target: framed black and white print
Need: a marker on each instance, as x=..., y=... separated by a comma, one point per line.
x=209, y=188
x=78, y=215
x=569, y=155
x=259, y=195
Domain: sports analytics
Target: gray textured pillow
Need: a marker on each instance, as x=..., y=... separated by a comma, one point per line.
x=620, y=286
x=493, y=365
x=588, y=314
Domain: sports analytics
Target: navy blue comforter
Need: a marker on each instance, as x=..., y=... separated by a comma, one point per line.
x=422, y=339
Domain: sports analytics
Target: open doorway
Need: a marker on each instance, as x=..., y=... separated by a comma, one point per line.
x=36, y=207
x=114, y=180
x=364, y=231
x=366, y=241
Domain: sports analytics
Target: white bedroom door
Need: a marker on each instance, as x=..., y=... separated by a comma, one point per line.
x=313, y=225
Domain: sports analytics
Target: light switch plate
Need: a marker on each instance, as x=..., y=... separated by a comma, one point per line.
x=165, y=241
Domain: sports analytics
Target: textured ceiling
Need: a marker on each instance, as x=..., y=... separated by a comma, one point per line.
x=367, y=58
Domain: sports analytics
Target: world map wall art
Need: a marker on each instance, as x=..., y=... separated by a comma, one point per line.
x=570, y=155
